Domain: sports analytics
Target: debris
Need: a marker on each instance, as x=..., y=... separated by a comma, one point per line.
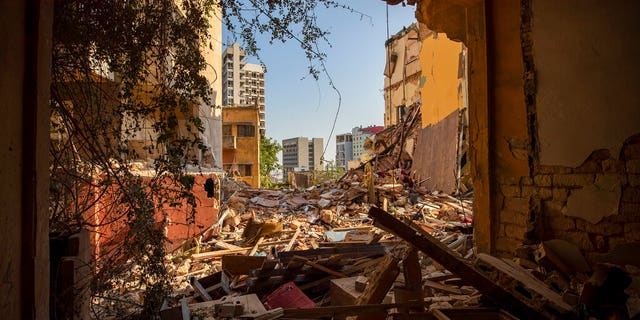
x=288, y=296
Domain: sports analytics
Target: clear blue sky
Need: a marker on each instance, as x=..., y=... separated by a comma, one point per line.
x=305, y=107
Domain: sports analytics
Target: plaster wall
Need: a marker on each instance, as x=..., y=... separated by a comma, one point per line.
x=212, y=113
x=587, y=67
x=441, y=92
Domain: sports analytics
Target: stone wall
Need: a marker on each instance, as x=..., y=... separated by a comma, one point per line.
x=539, y=208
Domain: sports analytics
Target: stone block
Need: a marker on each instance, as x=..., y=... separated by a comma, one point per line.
x=514, y=230
x=553, y=170
x=560, y=194
x=553, y=208
x=543, y=180
x=606, y=228
x=514, y=217
x=633, y=166
x=580, y=239
x=632, y=231
x=612, y=166
x=573, y=180
x=507, y=244
x=517, y=204
x=562, y=223
x=631, y=194
x=530, y=191
x=616, y=241
x=510, y=191
x=343, y=291
x=631, y=151
x=545, y=193
x=630, y=210
x=526, y=181
x=590, y=166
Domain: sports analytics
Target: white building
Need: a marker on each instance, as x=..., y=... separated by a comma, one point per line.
x=242, y=82
x=301, y=154
x=344, y=150
x=359, y=135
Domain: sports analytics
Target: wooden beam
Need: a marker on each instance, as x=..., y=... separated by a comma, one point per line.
x=292, y=241
x=321, y=267
x=255, y=247
x=353, y=251
x=379, y=284
x=338, y=312
x=452, y=262
x=201, y=291
x=219, y=253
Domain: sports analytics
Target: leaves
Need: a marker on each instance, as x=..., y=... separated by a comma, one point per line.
x=269, y=150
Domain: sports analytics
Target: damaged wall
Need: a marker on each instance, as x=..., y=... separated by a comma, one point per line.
x=443, y=95
x=554, y=128
x=402, y=74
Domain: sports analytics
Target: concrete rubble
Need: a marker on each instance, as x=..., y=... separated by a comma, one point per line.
x=376, y=245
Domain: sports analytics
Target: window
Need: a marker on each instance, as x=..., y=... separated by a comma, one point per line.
x=238, y=170
x=246, y=130
x=226, y=130
x=245, y=170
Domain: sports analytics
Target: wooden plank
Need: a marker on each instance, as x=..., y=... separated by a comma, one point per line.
x=412, y=270
x=200, y=291
x=225, y=246
x=412, y=289
x=292, y=241
x=237, y=265
x=215, y=254
x=355, y=269
x=452, y=262
x=255, y=247
x=441, y=287
x=352, y=251
x=338, y=312
x=320, y=267
x=379, y=284
x=186, y=313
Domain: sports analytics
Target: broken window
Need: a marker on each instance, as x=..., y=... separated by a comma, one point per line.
x=226, y=130
x=246, y=130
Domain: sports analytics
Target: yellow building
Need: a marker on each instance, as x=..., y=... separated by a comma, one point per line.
x=402, y=74
x=241, y=143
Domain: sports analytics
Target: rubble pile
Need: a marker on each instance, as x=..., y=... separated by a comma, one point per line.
x=318, y=248
x=376, y=245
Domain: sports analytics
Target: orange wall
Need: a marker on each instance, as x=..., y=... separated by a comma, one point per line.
x=247, y=149
x=441, y=93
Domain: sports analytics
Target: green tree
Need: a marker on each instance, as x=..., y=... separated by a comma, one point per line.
x=269, y=150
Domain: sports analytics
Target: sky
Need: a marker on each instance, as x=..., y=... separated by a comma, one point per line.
x=298, y=105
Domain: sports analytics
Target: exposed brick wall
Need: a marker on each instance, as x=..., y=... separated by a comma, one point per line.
x=534, y=209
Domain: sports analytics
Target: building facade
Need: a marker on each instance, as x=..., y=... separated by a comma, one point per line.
x=344, y=150
x=241, y=144
x=243, y=83
x=359, y=135
x=301, y=154
x=402, y=74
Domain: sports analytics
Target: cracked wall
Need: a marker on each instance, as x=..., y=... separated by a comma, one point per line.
x=554, y=127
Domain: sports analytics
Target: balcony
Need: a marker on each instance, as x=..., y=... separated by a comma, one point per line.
x=228, y=142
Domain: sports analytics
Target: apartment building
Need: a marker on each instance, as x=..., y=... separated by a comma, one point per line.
x=241, y=144
x=344, y=150
x=301, y=154
x=359, y=135
x=243, y=83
